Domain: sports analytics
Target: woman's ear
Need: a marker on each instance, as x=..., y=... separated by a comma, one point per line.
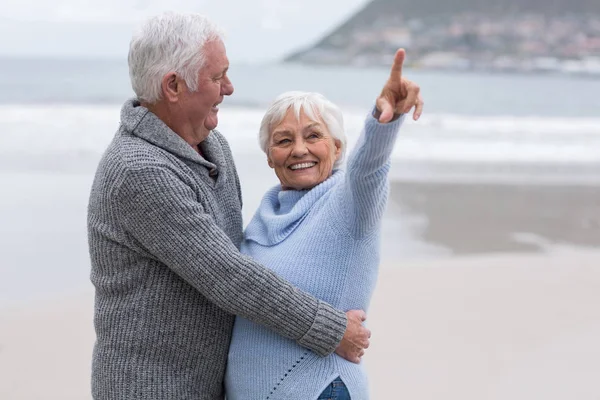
x=338, y=149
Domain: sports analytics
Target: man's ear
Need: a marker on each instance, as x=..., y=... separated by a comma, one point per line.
x=171, y=87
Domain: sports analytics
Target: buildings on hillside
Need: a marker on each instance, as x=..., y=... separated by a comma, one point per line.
x=526, y=43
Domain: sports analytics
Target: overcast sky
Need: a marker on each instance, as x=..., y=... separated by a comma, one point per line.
x=257, y=30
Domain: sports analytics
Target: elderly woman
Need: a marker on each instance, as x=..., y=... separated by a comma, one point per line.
x=320, y=230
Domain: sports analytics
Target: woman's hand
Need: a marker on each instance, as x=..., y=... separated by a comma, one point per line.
x=399, y=95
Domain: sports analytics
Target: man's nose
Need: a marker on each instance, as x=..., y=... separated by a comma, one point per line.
x=227, y=87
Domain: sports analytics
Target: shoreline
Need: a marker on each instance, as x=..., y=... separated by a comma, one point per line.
x=45, y=241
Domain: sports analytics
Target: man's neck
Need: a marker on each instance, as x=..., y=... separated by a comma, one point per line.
x=182, y=129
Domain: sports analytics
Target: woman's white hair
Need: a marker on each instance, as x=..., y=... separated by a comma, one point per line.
x=315, y=106
x=171, y=42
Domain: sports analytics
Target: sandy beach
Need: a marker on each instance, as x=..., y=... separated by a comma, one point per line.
x=485, y=291
x=502, y=327
x=481, y=327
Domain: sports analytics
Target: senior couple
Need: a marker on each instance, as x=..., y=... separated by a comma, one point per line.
x=190, y=306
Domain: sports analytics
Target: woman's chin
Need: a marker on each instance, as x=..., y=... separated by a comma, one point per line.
x=301, y=184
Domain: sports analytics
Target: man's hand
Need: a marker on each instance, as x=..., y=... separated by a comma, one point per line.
x=399, y=94
x=356, y=338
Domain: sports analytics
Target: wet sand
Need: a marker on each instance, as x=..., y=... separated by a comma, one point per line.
x=484, y=218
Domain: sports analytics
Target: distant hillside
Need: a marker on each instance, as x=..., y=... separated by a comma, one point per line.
x=427, y=8
x=465, y=34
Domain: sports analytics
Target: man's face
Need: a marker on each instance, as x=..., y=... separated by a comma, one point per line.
x=202, y=106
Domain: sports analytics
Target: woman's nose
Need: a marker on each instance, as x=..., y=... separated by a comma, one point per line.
x=299, y=149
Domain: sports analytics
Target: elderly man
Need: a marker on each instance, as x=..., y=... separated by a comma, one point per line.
x=164, y=225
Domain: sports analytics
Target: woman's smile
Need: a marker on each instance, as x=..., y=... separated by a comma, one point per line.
x=302, y=166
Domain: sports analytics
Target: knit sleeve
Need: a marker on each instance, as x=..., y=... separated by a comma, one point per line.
x=161, y=212
x=366, y=185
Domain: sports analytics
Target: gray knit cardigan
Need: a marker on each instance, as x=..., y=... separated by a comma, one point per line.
x=164, y=229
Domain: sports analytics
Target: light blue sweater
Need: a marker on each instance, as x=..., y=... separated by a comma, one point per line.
x=324, y=241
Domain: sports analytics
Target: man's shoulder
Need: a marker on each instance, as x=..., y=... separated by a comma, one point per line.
x=128, y=151
x=127, y=156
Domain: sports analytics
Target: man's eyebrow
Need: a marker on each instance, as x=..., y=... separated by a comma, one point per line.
x=222, y=72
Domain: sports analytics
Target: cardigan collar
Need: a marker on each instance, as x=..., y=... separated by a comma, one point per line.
x=141, y=122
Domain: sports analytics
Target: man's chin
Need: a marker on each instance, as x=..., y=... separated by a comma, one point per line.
x=211, y=123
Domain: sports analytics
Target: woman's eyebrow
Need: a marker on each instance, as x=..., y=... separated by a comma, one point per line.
x=312, y=125
x=282, y=132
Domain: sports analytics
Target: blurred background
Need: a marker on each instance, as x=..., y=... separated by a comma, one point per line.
x=493, y=221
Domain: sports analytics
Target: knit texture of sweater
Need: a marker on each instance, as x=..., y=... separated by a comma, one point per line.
x=164, y=228
x=326, y=241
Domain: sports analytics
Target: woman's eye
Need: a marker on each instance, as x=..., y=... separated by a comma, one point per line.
x=313, y=135
x=283, y=141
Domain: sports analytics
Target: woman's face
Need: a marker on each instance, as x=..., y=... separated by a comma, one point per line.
x=302, y=151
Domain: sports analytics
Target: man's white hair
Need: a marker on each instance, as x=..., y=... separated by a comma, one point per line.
x=314, y=105
x=171, y=42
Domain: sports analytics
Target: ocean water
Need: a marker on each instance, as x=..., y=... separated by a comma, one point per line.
x=57, y=117
x=62, y=113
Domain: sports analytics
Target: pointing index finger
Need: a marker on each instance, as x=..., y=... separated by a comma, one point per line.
x=396, y=72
